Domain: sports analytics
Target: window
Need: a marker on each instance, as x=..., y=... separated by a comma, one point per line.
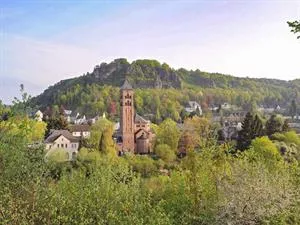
x=62, y=145
x=66, y=145
x=58, y=145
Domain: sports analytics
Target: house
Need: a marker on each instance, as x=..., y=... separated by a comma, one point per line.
x=213, y=108
x=192, y=107
x=81, y=130
x=134, y=134
x=81, y=120
x=226, y=106
x=67, y=114
x=63, y=140
x=39, y=116
x=270, y=110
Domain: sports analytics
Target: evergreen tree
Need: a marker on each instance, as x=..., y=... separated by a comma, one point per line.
x=293, y=109
x=252, y=127
x=295, y=25
x=257, y=127
x=285, y=126
x=245, y=135
x=273, y=125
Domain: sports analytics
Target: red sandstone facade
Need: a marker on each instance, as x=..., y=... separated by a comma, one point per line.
x=134, y=130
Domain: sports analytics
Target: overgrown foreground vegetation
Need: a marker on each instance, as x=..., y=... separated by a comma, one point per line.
x=211, y=185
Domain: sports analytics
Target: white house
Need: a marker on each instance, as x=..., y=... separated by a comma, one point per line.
x=81, y=130
x=226, y=106
x=192, y=107
x=67, y=114
x=81, y=120
x=39, y=116
x=63, y=140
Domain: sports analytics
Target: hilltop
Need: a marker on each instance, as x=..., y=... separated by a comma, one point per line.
x=83, y=92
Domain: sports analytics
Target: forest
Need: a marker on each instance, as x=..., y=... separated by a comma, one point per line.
x=253, y=181
x=97, y=92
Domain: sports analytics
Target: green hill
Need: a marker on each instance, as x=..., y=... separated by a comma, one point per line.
x=160, y=88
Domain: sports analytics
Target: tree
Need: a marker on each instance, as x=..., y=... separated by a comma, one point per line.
x=200, y=132
x=285, y=126
x=168, y=134
x=22, y=106
x=265, y=148
x=101, y=137
x=293, y=108
x=295, y=25
x=245, y=135
x=55, y=123
x=106, y=143
x=273, y=125
x=5, y=112
x=164, y=152
x=257, y=127
x=252, y=128
x=30, y=129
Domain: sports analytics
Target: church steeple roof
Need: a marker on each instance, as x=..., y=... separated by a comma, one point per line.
x=126, y=85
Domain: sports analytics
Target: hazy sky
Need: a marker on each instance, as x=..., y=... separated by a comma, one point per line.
x=42, y=42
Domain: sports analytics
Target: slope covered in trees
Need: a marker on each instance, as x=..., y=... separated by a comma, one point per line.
x=211, y=185
x=94, y=92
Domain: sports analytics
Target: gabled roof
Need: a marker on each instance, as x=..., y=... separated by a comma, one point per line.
x=80, y=128
x=138, y=118
x=126, y=85
x=67, y=112
x=57, y=133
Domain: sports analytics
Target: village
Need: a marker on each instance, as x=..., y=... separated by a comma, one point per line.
x=133, y=133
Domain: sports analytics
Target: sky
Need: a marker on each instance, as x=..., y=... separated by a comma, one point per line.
x=43, y=42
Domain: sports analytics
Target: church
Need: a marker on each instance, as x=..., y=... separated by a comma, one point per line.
x=135, y=134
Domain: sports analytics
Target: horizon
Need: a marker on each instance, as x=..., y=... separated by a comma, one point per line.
x=44, y=44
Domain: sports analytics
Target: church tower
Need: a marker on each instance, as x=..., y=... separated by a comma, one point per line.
x=127, y=117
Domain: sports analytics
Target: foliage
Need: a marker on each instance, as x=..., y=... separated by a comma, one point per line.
x=93, y=93
x=198, y=132
x=164, y=152
x=210, y=186
x=31, y=130
x=264, y=149
x=142, y=164
x=168, y=134
x=55, y=123
x=295, y=25
x=273, y=125
x=22, y=106
x=101, y=137
x=252, y=127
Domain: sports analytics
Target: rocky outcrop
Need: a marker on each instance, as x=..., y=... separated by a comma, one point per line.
x=141, y=73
